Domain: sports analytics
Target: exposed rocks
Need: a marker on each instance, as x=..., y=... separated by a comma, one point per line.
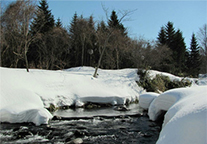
x=121, y=108
x=135, y=128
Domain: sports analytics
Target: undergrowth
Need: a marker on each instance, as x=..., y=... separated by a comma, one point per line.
x=159, y=83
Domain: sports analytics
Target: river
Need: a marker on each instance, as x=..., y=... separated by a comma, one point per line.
x=90, y=126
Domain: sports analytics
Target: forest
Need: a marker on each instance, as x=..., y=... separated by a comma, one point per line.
x=32, y=38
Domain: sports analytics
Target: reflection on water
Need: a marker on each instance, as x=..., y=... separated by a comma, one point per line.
x=100, y=126
x=133, y=109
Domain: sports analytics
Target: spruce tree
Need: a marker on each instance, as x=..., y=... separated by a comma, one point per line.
x=195, y=58
x=179, y=52
x=174, y=40
x=170, y=33
x=58, y=23
x=162, y=36
x=75, y=57
x=42, y=24
x=115, y=23
x=44, y=20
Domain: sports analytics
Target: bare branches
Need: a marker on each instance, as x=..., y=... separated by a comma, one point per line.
x=111, y=31
x=15, y=24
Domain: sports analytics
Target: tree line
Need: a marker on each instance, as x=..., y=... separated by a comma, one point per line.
x=31, y=38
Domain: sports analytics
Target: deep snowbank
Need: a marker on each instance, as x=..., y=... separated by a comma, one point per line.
x=165, y=100
x=146, y=99
x=23, y=95
x=186, y=117
x=20, y=105
x=186, y=120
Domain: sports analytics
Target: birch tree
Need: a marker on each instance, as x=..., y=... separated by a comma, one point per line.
x=15, y=28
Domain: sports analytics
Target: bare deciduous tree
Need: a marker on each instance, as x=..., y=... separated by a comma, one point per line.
x=202, y=37
x=110, y=31
x=15, y=28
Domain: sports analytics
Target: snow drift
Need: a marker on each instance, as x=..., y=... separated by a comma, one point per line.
x=186, y=120
x=186, y=117
x=146, y=99
x=20, y=105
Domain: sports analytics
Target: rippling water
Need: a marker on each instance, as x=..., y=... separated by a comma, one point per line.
x=102, y=126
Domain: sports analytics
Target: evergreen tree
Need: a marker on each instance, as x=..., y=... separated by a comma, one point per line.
x=179, y=52
x=194, y=62
x=170, y=33
x=162, y=36
x=115, y=23
x=175, y=41
x=58, y=23
x=44, y=20
x=75, y=61
x=42, y=24
x=92, y=49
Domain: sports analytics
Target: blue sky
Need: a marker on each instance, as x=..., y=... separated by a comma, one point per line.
x=145, y=21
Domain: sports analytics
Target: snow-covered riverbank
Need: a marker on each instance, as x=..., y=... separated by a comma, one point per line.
x=185, y=120
x=24, y=97
x=23, y=94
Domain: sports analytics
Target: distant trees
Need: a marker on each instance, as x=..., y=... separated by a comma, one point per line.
x=50, y=49
x=40, y=49
x=194, y=58
x=83, y=40
x=181, y=60
x=202, y=37
x=115, y=34
x=174, y=40
x=31, y=38
x=16, y=39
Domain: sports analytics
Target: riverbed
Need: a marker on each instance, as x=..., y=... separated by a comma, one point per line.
x=101, y=126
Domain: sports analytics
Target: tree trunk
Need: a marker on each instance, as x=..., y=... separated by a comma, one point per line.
x=83, y=41
x=99, y=61
x=117, y=58
x=27, y=65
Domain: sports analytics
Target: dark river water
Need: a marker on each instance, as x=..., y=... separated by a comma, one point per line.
x=97, y=126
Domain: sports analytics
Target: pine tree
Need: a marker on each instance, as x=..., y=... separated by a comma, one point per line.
x=44, y=20
x=162, y=36
x=194, y=62
x=179, y=51
x=75, y=57
x=175, y=41
x=92, y=49
x=42, y=24
x=170, y=33
x=113, y=21
x=58, y=23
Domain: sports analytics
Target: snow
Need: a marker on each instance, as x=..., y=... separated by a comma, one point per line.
x=186, y=120
x=20, y=105
x=24, y=96
x=186, y=117
x=153, y=73
x=146, y=99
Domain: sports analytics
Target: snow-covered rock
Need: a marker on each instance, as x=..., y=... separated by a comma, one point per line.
x=20, y=105
x=146, y=99
x=165, y=100
x=186, y=117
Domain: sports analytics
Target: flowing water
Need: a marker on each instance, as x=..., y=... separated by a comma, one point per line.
x=103, y=125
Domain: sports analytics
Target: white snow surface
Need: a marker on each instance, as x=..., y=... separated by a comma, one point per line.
x=186, y=119
x=24, y=95
x=146, y=99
